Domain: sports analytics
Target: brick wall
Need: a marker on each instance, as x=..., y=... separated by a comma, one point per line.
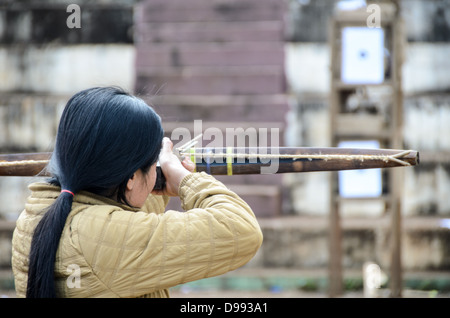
x=221, y=62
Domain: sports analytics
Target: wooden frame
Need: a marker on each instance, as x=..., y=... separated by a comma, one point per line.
x=367, y=126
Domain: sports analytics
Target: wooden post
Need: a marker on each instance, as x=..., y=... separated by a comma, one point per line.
x=396, y=184
x=335, y=232
x=335, y=287
x=396, y=283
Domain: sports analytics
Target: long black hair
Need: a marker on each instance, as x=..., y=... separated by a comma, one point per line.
x=104, y=136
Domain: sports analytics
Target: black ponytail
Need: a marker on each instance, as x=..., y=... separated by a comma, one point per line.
x=104, y=136
x=44, y=246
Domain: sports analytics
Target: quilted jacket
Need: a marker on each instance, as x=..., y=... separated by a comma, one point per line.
x=113, y=250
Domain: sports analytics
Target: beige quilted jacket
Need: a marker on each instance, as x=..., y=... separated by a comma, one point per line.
x=122, y=252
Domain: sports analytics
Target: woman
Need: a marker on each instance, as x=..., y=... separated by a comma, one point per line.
x=97, y=229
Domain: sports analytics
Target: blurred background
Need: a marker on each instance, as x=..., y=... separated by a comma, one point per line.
x=273, y=64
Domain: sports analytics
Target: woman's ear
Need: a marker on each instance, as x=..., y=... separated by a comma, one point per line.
x=131, y=181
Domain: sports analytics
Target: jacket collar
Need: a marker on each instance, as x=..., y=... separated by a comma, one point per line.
x=48, y=192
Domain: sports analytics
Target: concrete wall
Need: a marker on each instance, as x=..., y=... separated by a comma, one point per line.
x=43, y=62
x=64, y=69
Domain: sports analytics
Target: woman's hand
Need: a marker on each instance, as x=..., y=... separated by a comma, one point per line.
x=173, y=169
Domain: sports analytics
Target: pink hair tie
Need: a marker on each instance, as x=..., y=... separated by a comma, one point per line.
x=68, y=192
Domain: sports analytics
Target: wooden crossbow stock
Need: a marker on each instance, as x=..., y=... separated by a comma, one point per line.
x=245, y=160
